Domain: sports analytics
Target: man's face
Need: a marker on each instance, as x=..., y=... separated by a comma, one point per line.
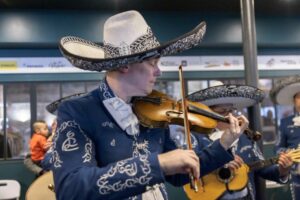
x=143, y=76
x=223, y=109
x=297, y=102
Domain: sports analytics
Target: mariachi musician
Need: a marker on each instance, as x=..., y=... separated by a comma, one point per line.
x=224, y=99
x=100, y=151
x=287, y=92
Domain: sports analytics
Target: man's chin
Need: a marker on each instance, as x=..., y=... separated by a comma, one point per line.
x=142, y=94
x=149, y=91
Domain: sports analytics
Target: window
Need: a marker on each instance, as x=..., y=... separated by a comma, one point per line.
x=18, y=118
x=46, y=94
x=72, y=88
x=171, y=88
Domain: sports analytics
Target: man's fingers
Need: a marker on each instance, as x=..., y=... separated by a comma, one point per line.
x=244, y=124
x=285, y=161
x=285, y=157
x=238, y=159
x=193, y=167
x=233, y=165
x=193, y=155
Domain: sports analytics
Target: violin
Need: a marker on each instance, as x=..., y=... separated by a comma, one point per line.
x=157, y=110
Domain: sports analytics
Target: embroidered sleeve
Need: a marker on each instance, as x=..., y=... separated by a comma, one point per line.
x=77, y=175
x=257, y=152
x=213, y=157
x=269, y=172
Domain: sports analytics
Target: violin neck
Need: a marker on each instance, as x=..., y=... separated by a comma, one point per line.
x=206, y=113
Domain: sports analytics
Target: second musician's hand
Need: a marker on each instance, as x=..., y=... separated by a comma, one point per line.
x=236, y=128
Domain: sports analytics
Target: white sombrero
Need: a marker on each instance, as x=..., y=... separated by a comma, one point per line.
x=240, y=96
x=285, y=89
x=52, y=107
x=127, y=39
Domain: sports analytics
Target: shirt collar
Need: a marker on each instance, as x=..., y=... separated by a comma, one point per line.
x=118, y=109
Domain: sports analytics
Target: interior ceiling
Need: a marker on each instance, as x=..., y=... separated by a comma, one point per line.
x=280, y=7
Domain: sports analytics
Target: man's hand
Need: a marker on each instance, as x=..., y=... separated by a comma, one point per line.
x=236, y=163
x=47, y=145
x=236, y=128
x=285, y=163
x=180, y=161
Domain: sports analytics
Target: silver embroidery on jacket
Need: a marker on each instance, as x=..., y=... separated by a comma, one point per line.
x=88, y=147
x=164, y=190
x=56, y=159
x=245, y=148
x=70, y=144
x=105, y=91
x=130, y=169
x=107, y=124
x=251, y=190
x=113, y=143
x=257, y=152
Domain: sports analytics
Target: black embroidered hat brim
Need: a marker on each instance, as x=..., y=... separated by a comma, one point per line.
x=180, y=44
x=285, y=89
x=240, y=96
x=52, y=107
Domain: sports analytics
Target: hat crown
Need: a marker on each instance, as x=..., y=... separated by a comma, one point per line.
x=127, y=33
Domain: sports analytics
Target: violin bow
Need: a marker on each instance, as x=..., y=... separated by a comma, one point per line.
x=193, y=180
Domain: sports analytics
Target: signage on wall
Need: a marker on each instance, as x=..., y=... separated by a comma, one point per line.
x=37, y=65
x=224, y=63
x=171, y=63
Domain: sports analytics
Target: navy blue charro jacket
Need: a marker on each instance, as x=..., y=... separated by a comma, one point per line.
x=93, y=158
x=289, y=138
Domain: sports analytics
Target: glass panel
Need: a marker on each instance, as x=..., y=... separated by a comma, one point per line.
x=18, y=116
x=72, y=88
x=45, y=94
x=1, y=125
x=267, y=111
x=90, y=86
x=194, y=86
x=171, y=88
x=234, y=81
x=282, y=112
x=213, y=83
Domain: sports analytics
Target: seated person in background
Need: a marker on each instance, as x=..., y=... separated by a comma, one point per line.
x=8, y=151
x=38, y=142
x=223, y=100
x=37, y=170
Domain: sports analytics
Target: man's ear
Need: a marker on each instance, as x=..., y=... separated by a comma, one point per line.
x=124, y=69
